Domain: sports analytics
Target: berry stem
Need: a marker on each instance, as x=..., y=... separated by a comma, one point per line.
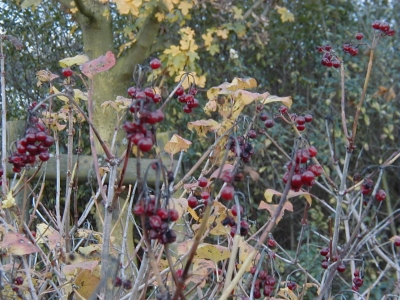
x=342, y=103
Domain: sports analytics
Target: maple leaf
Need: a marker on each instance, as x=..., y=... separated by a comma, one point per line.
x=208, y=38
x=213, y=49
x=286, y=15
x=237, y=13
x=223, y=33
x=177, y=144
x=173, y=50
x=160, y=16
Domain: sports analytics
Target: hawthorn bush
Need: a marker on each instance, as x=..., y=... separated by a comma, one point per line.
x=214, y=231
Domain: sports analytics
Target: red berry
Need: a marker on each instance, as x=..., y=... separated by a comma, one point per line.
x=253, y=270
x=227, y=177
x=18, y=280
x=145, y=144
x=359, y=36
x=316, y=169
x=271, y=281
x=384, y=26
x=297, y=182
x=162, y=213
x=187, y=109
x=292, y=285
x=308, y=118
x=257, y=294
x=117, y=282
x=358, y=281
x=268, y=290
x=44, y=156
x=269, y=123
x=356, y=273
x=155, y=63
x=127, y=284
x=324, y=252
x=341, y=268
x=380, y=195
x=180, y=91
x=263, y=116
x=49, y=141
x=234, y=210
x=325, y=264
x=67, y=72
x=376, y=24
x=353, y=51
x=312, y=151
x=397, y=242
x=283, y=109
x=157, y=98
x=138, y=209
x=308, y=178
x=301, y=127
x=336, y=63
x=192, y=201
x=244, y=228
x=262, y=275
x=367, y=186
x=390, y=32
x=173, y=215
x=227, y=192
x=179, y=273
x=252, y=134
x=302, y=156
x=155, y=221
x=205, y=195
x=300, y=120
x=202, y=182
x=271, y=243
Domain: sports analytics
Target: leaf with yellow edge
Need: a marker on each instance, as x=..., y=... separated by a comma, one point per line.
x=46, y=234
x=273, y=207
x=185, y=7
x=202, y=127
x=177, y=144
x=241, y=83
x=215, y=253
x=9, y=201
x=286, y=293
x=286, y=15
x=76, y=60
x=287, y=101
x=248, y=97
x=17, y=244
x=269, y=193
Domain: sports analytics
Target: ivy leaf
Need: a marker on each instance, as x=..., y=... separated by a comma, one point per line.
x=286, y=16
x=76, y=60
x=177, y=144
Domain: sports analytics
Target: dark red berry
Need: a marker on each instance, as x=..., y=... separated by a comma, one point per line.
x=269, y=123
x=283, y=109
x=162, y=213
x=252, y=134
x=145, y=144
x=202, y=182
x=297, y=182
x=384, y=26
x=262, y=275
x=301, y=127
x=380, y=195
x=312, y=151
x=271, y=243
x=205, y=195
x=376, y=24
x=244, y=228
x=341, y=268
x=18, y=280
x=292, y=285
x=359, y=36
x=227, y=192
x=192, y=202
x=309, y=118
x=397, y=242
x=356, y=273
x=325, y=264
x=138, y=209
x=324, y=251
x=390, y=32
x=336, y=63
x=173, y=215
x=155, y=63
x=355, y=288
x=127, y=284
x=358, y=281
x=44, y=156
x=235, y=211
x=300, y=120
x=67, y=72
x=308, y=178
x=263, y=116
x=117, y=282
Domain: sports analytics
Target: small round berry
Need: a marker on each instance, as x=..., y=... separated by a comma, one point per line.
x=162, y=213
x=173, y=215
x=117, y=282
x=358, y=281
x=235, y=211
x=271, y=243
x=325, y=264
x=227, y=192
x=359, y=36
x=18, y=280
x=376, y=24
x=300, y=120
x=380, y=195
x=397, y=242
x=180, y=91
x=341, y=268
x=145, y=144
x=283, y=109
x=202, y=182
x=252, y=134
x=138, y=209
x=67, y=72
x=263, y=116
x=356, y=273
x=300, y=127
x=205, y=195
x=155, y=63
x=292, y=285
x=390, y=32
x=355, y=288
x=127, y=284
x=336, y=63
x=324, y=251
x=269, y=123
x=192, y=202
x=309, y=118
x=384, y=26
x=312, y=151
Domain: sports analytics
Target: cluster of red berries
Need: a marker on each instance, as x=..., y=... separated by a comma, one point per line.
x=241, y=147
x=384, y=27
x=157, y=219
x=187, y=98
x=268, y=123
x=306, y=174
x=17, y=281
x=143, y=114
x=367, y=187
x=301, y=121
x=35, y=143
x=341, y=267
x=230, y=221
x=126, y=284
x=329, y=59
x=264, y=281
x=358, y=280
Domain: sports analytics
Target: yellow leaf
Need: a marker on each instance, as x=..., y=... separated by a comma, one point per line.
x=237, y=13
x=45, y=75
x=86, y=283
x=160, y=16
x=193, y=213
x=69, y=270
x=90, y=250
x=173, y=50
x=286, y=16
x=177, y=144
x=199, y=81
x=76, y=60
x=286, y=293
x=185, y=7
x=201, y=269
x=241, y=83
x=270, y=192
x=9, y=201
x=127, y=7
x=202, y=127
x=215, y=253
x=46, y=234
x=244, y=251
x=248, y=97
x=273, y=207
x=79, y=95
x=63, y=98
x=287, y=101
x=208, y=38
x=223, y=33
